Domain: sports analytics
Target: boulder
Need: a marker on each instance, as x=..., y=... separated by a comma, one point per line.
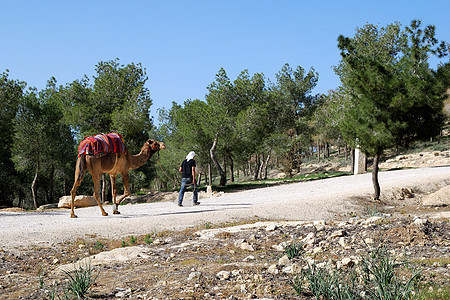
x=438, y=198
x=80, y=201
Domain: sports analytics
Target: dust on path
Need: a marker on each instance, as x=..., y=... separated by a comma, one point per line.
x=314, y=200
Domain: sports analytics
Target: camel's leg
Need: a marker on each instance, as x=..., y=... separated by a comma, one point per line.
x=114, y=192
x=80, y=170
x=126, y=192
x=96, y=179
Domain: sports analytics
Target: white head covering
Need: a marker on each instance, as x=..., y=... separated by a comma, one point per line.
x=190, y=155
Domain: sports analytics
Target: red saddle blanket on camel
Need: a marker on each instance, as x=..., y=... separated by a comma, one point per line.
x=101, y=145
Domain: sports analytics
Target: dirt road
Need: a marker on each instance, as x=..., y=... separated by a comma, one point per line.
x=314, y=200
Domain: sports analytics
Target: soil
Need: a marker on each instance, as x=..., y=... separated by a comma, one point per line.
x=235, y=259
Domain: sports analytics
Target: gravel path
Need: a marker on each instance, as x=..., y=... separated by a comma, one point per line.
x=314, y=200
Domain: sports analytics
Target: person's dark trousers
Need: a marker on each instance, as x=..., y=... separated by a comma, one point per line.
x=184, y=183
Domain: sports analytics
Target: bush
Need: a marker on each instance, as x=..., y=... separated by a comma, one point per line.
x=378, y=279
x=294, y=250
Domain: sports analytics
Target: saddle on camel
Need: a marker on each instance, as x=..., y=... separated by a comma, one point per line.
x=106, y=153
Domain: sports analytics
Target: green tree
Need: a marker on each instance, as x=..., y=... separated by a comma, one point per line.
x=294, y=110
x=254, y=123
x=389, y=88
x=11, y=93
x=49, y=142
x=117, y=100
x=222, y=105
x=170, y=158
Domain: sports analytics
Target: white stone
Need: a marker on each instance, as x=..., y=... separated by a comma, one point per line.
x=80, y=201
x=372, y=220
x=420, y=221
x=250, y=257
x=247, y=246
x=194, y=275
x=317, y=250
x=284, y=261
x=368, y=241
x=338, y=233
x=223, y=275
x=309, y=239
x=273, y=269
x=271, y=227
x=347, y=262
x=439, y=198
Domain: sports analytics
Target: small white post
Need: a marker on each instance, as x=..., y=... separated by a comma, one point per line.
x=360, y=162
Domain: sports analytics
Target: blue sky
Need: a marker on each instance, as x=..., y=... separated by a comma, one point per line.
x=183, y=44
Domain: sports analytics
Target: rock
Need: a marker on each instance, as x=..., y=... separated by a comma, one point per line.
x=280, y=247
x=118, y=255
x=319, y=225
x=273, y=269
x=280, y=175
x=368, y=241
x=317, y=250
x=371, y=220
x=209, y=191
x=223, y=275
x=80, y=201
x=420, y=221
x=287, y=269
x=271, y=227
x=244, y=245
x=238, y=242
x=194, y=275
x=439, y=198
x=338, y=233
x=348, y=262
x=123, y=292
x=48, y=206
x=250, y=257
x=342, y=242
x=284, y=261
x=309, y=239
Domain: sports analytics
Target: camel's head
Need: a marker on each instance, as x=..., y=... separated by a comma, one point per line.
x=155, y=146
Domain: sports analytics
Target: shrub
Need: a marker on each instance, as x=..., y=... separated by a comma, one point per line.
x=379, y=278
x=81, y=279
x=294, y=250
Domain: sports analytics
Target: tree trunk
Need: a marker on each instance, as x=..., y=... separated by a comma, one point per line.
x=376, y=184
x=352, y=161
x=318, y=151
x=223, y=176
x=231, y=168
x=266, y=165
x=51, y=183
x=261, y=166
x=255, y=177
x=225, y=164
x=209, y=173
x=34, y=186
x=345, y=152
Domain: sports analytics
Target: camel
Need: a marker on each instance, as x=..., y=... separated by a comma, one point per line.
x=112, y=164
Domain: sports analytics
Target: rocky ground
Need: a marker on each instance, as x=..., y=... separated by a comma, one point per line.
x=246, y=260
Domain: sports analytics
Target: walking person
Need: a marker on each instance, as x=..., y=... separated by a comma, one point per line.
x=187, y=169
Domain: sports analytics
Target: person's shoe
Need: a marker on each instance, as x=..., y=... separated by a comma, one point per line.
x=196, y=203
x=180, y=204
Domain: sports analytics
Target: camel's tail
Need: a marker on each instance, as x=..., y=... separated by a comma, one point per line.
x=80, y=168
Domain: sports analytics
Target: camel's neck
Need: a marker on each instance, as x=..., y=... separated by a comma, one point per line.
x=140, y=159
